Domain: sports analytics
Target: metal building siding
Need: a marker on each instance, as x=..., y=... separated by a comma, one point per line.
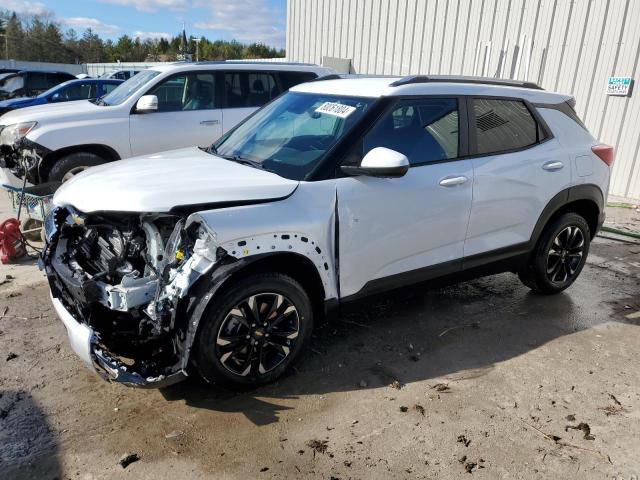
x=566, y=45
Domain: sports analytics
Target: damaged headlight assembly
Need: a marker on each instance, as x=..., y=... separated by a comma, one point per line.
x=182, y=264
x=12, y=134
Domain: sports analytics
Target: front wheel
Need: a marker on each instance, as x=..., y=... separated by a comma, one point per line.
x=254, y=331
x=559, y=256
x=66, y=168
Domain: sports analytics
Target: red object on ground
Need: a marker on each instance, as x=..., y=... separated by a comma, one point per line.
x=12, y=246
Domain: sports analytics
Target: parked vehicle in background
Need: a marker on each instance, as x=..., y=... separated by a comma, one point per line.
x=27, y=83
x=8, y=70
x=85, y=89
x=162, y=108
x=219, y=261
x=120, y=74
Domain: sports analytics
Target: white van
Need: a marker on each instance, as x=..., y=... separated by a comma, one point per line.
x=161, y=108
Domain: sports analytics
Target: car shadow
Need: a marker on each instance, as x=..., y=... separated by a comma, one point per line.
x=29, y=448
x=414, y=335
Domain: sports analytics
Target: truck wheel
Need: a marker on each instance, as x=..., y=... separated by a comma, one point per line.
x=66, y=167
x=559, y=256
x=254, y=330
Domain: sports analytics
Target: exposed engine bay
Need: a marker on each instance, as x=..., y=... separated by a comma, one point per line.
x=23, y=160
x=125, y=276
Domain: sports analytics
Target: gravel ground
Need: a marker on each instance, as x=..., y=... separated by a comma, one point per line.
x=482, y=379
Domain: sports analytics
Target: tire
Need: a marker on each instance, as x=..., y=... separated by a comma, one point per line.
x=66, y=167
x=559, y=255
x=222, y=346
x=31, y=224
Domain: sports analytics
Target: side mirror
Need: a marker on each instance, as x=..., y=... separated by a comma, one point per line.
x=147, y=104
x=55, y=97
x=380, y=162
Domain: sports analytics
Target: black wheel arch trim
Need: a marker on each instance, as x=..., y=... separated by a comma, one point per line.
x=590, y=192
x=205, y=290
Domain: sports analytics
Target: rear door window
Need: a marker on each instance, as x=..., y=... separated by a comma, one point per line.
x=186, y=92
x=504, y=125
x=249, y=89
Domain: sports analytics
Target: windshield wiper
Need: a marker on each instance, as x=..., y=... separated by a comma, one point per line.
x=243, y=161
x=235, y=158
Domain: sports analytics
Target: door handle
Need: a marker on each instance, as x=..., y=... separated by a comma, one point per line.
x=209, y=122
x=453, y=181
x=551, y=166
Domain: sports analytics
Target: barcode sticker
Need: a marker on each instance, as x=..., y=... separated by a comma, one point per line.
x=336, y=109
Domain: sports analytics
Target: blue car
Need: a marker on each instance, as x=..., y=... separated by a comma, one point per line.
x=80, y=89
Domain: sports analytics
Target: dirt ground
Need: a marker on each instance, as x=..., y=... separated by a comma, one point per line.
x=482, y=379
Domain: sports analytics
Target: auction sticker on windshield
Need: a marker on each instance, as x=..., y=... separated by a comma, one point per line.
x=336, y=109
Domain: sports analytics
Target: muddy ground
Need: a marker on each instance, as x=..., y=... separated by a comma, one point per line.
x=483, y=379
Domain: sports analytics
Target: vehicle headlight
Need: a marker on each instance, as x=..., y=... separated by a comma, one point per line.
x=12, y=134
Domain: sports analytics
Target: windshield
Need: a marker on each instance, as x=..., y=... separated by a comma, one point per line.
x=290, y=135
x=128, y=88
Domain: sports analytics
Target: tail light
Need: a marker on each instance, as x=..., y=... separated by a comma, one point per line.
x=604, y=152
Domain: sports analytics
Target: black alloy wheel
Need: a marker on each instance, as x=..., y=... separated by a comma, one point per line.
x=253, y=330
x=257, y=334
x=565, y=254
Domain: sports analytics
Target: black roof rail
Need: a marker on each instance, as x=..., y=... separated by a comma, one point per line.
x=340, y=76
x=331, y=76
x=247, y=62
x=464, y=79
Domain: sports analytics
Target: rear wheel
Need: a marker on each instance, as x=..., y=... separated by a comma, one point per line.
x=67, y=167
x=559, y=256
x=254, y=331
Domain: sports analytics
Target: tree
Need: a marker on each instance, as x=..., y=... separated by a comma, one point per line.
x=41, y=39
x=14, y=37
x=92, y=47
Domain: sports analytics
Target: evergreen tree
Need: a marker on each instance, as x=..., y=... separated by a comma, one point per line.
x=41, y=39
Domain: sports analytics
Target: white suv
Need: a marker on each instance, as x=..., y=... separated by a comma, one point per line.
x=219, y=261
x=170, y=106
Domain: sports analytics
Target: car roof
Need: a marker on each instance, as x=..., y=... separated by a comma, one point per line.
x=43, y=71
x=384, y=86
x=90, y=80
x=242, y=65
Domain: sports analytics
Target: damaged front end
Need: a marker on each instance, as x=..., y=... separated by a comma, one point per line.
x=22, y=159
x=120, y=282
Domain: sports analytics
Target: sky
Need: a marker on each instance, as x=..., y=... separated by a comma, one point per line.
x=247, y=21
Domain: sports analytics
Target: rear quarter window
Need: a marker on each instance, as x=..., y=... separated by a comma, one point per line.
x=504, y=125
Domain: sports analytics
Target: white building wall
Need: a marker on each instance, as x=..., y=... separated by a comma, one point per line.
x=569, y=46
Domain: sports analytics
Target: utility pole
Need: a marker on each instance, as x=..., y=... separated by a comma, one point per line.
x=197, y=40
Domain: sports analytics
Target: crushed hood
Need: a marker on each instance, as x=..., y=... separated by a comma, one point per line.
x=160, y=182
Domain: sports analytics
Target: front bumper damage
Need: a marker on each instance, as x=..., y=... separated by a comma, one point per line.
x=83, y=342
x=20, y=160
x=136, y=332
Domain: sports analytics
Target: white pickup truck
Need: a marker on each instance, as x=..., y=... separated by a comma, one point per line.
x=161, y=108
